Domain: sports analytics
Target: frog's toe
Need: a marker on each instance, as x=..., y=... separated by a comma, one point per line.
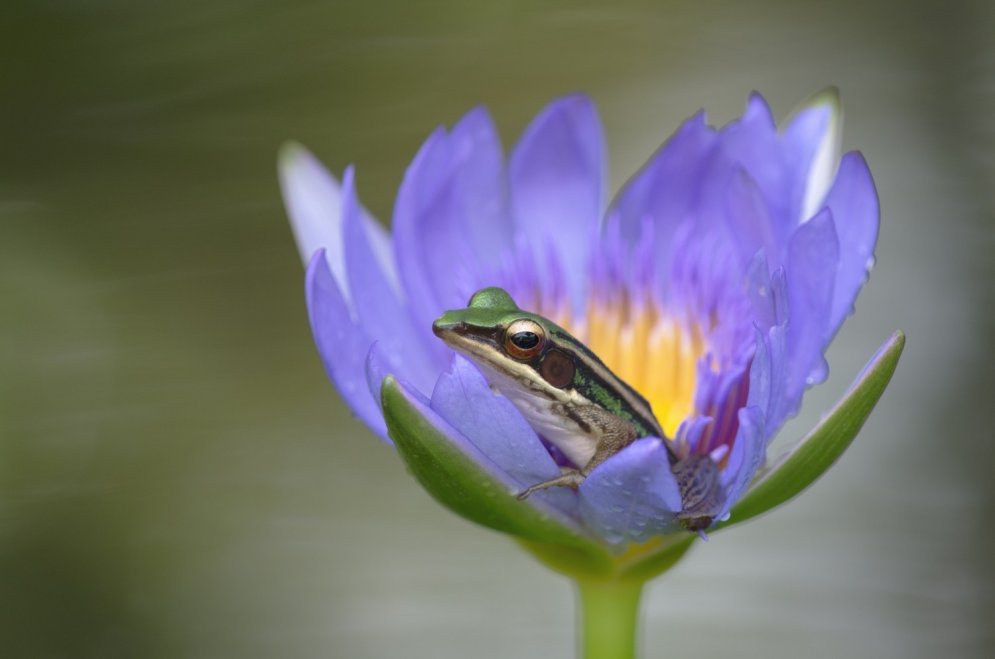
x=572, y=478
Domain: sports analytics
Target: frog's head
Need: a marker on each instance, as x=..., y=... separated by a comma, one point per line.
x=505, y=341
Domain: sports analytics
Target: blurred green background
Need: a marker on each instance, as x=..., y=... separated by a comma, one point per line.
x=178, y=478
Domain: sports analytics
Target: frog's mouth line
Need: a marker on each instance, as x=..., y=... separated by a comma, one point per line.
x=461, y=336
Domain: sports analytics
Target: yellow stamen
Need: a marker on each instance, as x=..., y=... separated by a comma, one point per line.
x=655, y=354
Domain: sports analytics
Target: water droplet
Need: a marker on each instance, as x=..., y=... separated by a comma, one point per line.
x=617, y=482
x=644, y=479
x=870, y=262
x=809, y=381
x=762, y=291
x=617, y=508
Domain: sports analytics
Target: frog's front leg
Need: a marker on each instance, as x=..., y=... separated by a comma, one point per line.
x=614, y=435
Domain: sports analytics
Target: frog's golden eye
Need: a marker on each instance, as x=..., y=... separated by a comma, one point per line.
x=524, y=339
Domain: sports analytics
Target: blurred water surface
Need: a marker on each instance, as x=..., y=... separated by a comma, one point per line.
x=177, y=478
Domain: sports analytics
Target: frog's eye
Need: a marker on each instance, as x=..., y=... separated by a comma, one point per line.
x=524, y=339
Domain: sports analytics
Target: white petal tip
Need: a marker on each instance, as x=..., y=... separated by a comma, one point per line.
x=292, y=154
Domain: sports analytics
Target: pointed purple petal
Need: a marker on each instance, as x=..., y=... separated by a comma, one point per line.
x=809, y=142
x=633, y=494
x=749, y=218
x=780, y=406
x=760, y=292
x=813, y=258
x=484, y=217
x=666, y=189
x=451, y=223
x=760, y=375
x=780, y=164
x=748, y=453
x=853, y=201
x=554, y=503
x=313, y=199
x=404, y=347
x=557, y=174
x=464, y=399
x=341, y=343
x=816, y=129
x=752, y=143
x=377, y=368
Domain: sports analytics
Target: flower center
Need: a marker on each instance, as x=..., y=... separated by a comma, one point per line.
x=653, y=352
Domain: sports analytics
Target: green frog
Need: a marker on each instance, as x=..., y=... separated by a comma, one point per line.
x=569, y=396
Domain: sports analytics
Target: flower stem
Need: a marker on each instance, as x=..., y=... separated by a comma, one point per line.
x=609, y=614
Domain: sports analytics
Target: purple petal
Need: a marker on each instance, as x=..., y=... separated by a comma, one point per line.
x=482, y=188
x=747, y=456
x=749, y=218
x=450, y=221
x=780, y=405
x=690, y=432
x=759, y=291
x=760, y=375
x=377, y=368
x=780, y=164
x=719, y=395
x=554, y=503
x=813, y=257
x=854, y=204
x=666, y=189
x=751, y=142
x=633, y=494
x=557, y=174
x=492, y=424
x=341, y=343
x=313, y=200
x=404, y=347
x=810, y=144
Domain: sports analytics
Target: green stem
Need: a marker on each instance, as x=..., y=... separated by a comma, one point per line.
x=609, y=614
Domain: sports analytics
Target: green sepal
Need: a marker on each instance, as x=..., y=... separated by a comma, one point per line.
x=467, y=488
x=637, y=563
x=825, y=443
x=643, y=566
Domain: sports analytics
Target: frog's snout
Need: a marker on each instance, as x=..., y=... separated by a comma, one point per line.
x=443, y=326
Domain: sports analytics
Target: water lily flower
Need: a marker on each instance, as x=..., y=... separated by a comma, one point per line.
x=712, y=283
